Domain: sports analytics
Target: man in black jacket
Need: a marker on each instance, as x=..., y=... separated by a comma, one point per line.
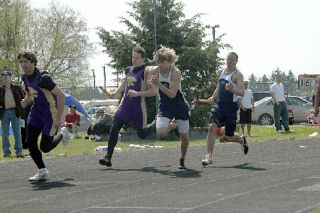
x=10, y=111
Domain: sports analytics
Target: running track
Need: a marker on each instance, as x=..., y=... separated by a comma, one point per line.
x=278, y=176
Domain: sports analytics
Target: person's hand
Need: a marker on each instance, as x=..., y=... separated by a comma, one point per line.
x=252, y=109
x=150, y=85
x=211, y=100
x=112, y=94
x=57, y=123
x=277, y=103
x=243, y=109
x=155, y=80
x=132, y=93
x=92, y=127
x=229, y=87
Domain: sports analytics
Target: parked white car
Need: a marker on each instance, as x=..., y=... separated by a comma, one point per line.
x=298, y=109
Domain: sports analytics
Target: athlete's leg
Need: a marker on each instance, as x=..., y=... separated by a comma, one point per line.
x=143, y=133
x=32, y=143
x=183, y=126
x=48, y=143
x=113, y=139
x=163, y=126
x=230, y=134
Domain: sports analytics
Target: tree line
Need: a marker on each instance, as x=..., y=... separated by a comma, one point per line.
x=263, y=84
x=59, y=37
x=57, y=34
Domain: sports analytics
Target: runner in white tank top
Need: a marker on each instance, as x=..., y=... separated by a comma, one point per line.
x=224, y=112
x=172, y=103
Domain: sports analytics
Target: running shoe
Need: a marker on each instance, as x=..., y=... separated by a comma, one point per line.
x=207, y=160
x=181, y=164
x=106, y=161
x=244, y=146
x=65, y=137
x=41, y=175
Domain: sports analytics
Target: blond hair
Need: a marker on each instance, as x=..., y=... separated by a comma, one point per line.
x=165, y=54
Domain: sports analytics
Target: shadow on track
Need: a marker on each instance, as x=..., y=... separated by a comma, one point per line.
x=47, y=185
x=183, y=173
x=242, y=166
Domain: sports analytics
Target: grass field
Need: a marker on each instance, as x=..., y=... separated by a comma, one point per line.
x=81, y=146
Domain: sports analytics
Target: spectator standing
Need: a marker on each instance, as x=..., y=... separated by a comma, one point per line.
x=72, y=121
x=10, y=111
x=317, y=102
x=246, y=107
x=279, y=105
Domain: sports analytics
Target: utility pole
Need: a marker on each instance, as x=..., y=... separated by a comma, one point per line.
x=155, y=24
x=104, y=77
x=214, y=31
x=94, y=82
x=155, y=39
x=117, y=78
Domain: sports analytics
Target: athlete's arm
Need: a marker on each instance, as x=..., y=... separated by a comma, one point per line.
x=149, y=91
x=120, y=89
x=27, y=100
x=215, y=92
x=28, y=97
x=60, y=103
x=240, y=103
x=238, y=78
x=174, y=85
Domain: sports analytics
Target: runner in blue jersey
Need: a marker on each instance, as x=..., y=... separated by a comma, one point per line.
x=172, y=105
x=45, y=115
x=133, y=107
x=224, y=111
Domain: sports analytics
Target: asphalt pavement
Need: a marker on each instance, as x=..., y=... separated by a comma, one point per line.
x=275, y=176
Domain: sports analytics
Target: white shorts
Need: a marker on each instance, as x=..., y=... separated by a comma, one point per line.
x=183, y=125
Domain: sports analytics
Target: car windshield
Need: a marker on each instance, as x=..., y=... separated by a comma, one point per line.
x=296, y=101
x=261, y=101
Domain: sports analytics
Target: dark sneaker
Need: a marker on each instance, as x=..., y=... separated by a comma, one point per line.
x=87, y=137
x=181, y=165
x=6, y=155
x=20, y=156
x=244, y=146
x=106, y=161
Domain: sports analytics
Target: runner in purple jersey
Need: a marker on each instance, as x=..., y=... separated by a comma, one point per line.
x=133, y=106
x=45, y=116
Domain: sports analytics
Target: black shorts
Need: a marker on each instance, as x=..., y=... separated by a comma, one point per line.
x=229, y=127
x=245, y=116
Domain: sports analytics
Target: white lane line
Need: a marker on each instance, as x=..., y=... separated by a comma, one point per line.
x=308, y=208
x=239, y=194
x=126, y=207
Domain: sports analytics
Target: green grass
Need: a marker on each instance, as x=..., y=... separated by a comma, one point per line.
x=86, y=147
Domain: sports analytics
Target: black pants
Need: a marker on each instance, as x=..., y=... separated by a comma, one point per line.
x=24, y=137
x=116, y=127
x=98, y=129
x=47, y=143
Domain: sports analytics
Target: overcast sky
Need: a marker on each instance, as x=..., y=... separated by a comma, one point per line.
x=265, y=33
